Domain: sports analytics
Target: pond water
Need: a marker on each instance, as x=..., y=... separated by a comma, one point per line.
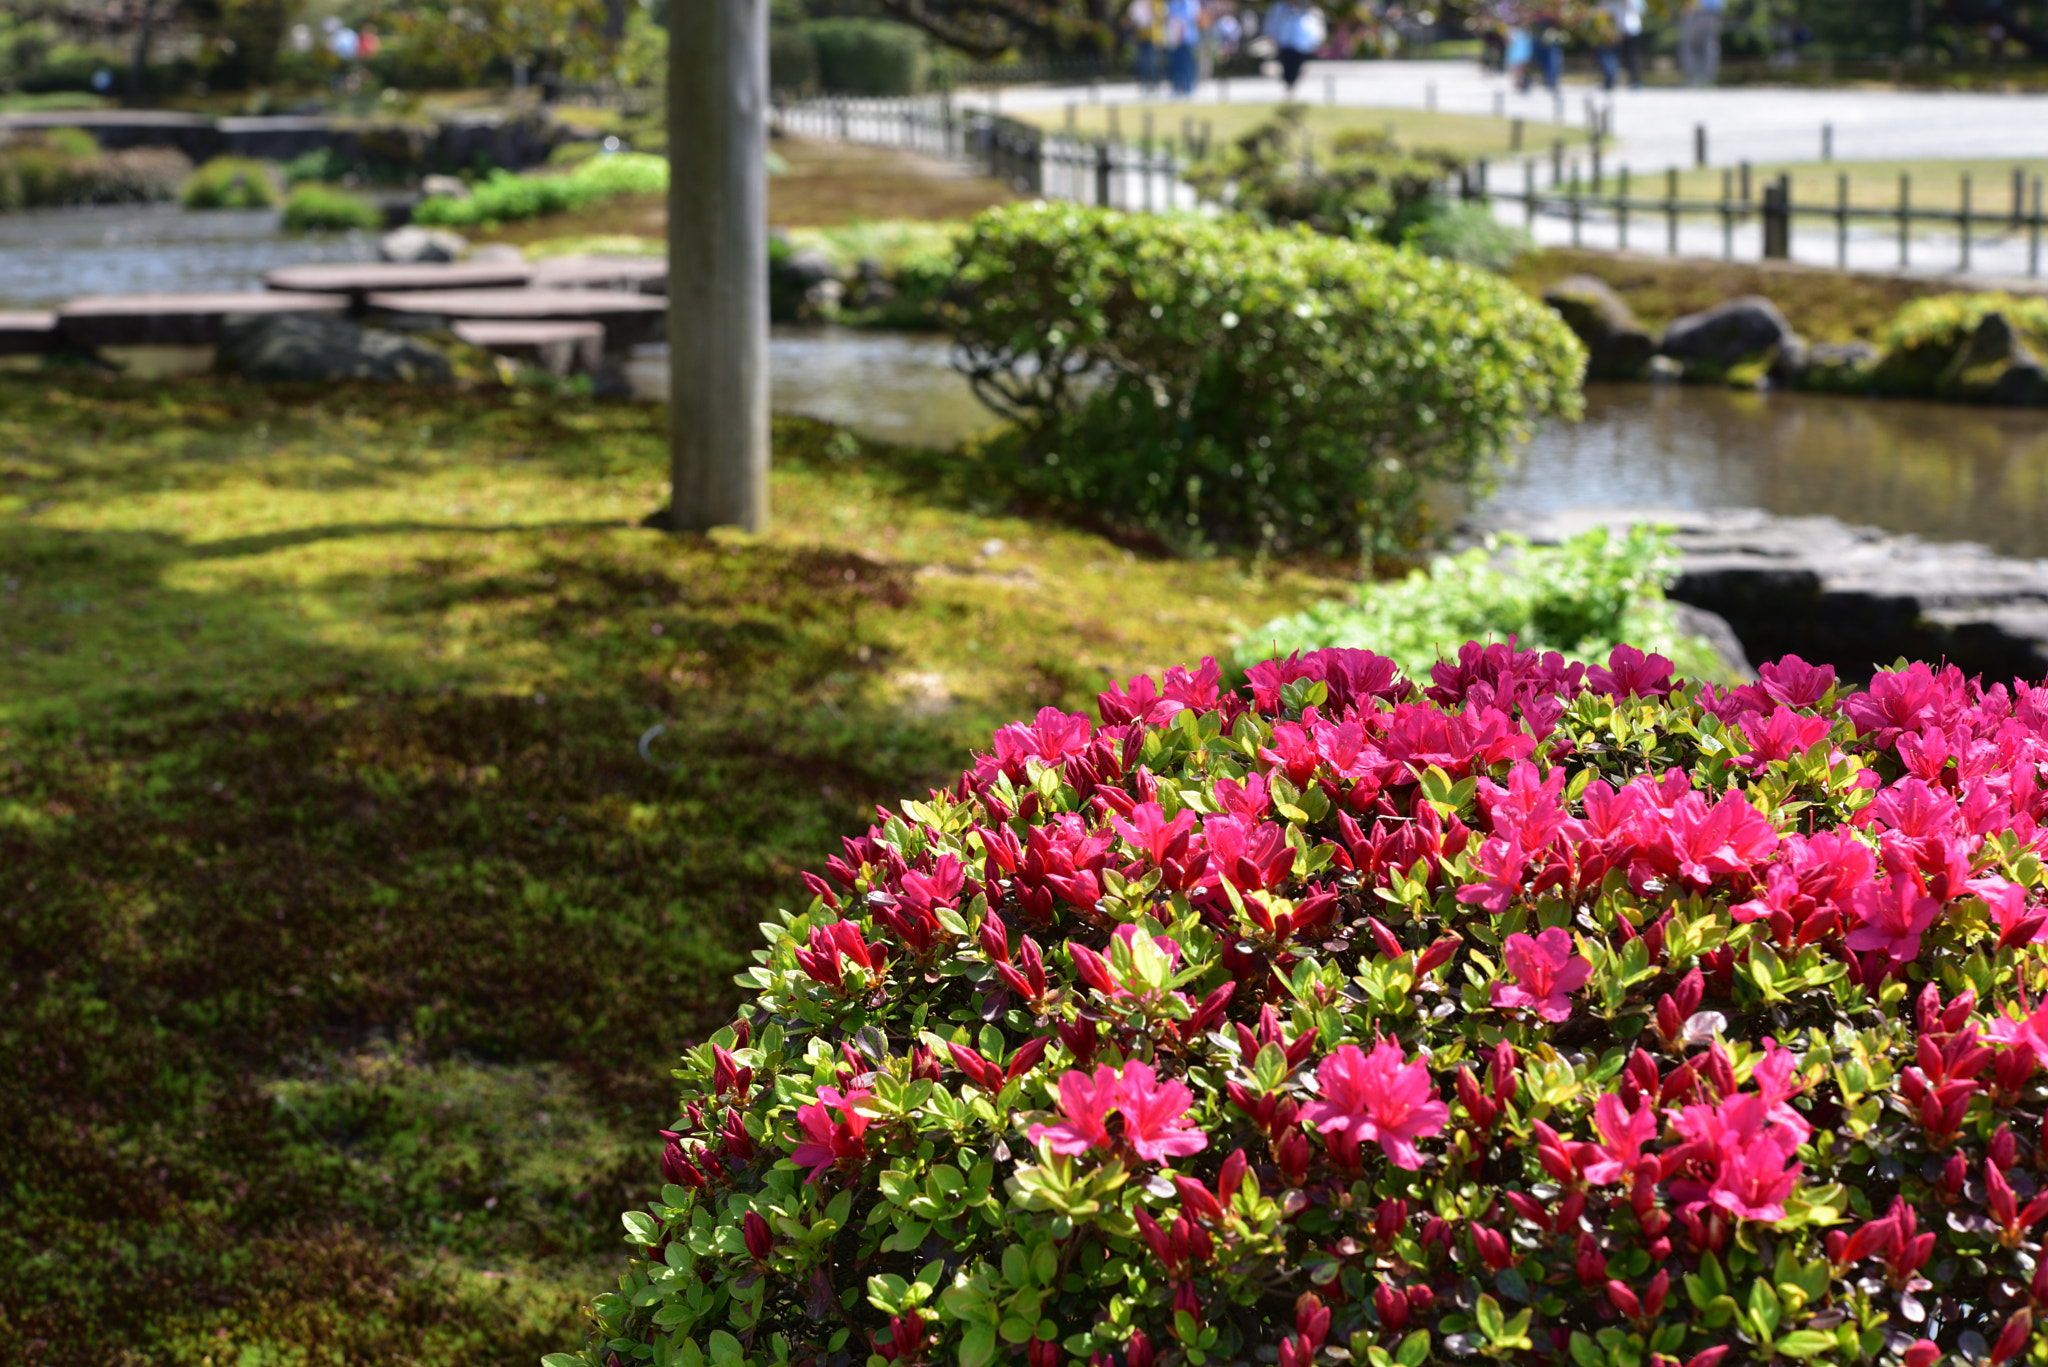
x=1944, y=471
x=49, y=256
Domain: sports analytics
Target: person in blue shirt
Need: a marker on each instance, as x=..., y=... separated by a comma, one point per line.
x=1183, y=31
x=1297, y=31
x=1699, y=41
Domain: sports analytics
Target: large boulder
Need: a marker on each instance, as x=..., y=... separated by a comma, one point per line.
x=316, y=347
x=1618, y=347
x=412, y=246
x=1738, y=342
x=1996, y=366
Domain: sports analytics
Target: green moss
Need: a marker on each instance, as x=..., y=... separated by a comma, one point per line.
x=350, y=934
x=232, y=183
x=324, y=209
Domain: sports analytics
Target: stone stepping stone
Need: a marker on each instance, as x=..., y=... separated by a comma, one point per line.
x=635, y=274
x=359, y=280
x=558, y=347
x=177, y=320
x=27, y=334
x=629, y=319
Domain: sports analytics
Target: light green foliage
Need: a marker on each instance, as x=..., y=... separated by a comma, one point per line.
x=322, y=163
x=1217, y=384
x=1358, y=183
x=1581, y=599
x=506, y=197
x=324, y=209
x=1464, y=232
x=916, y=259
x=60, y=166
x=232, y=183
x=1928, y=347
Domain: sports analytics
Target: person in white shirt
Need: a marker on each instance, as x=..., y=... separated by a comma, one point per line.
x=1624, y=46
x=1298, y=31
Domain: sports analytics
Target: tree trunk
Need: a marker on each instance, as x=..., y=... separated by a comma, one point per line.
x=718, y=263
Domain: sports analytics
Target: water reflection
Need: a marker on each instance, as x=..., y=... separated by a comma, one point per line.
x=50, y=256
x=1947, y=472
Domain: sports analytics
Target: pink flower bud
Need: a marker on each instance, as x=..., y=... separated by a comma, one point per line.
x=1924, y=1353
x=759, y=1239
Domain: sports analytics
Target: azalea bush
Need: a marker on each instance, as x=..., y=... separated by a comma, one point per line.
x=1580, y=598
x=1531, y=1012
x=1216, y=384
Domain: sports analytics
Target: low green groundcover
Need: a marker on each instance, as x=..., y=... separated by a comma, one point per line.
x=1533, y=1013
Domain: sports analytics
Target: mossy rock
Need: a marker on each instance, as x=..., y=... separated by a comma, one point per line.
x=1840, y=368
x=1618, y=346
x=1981, y=348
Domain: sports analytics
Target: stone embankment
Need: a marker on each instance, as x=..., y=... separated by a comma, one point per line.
x=1853, y=597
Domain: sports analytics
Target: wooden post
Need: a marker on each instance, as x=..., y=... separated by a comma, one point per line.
x=1727, y=216
x=1671, y=212
x=1575, y=206
x=1699, y=144
x=1842, y=222
x=2034, y=232
x=718, y=265
x=2019, y=196
x=1778, y=219
x=1621, y=211
x=1963, y=225
x=1905, y=215
x=1528, y=195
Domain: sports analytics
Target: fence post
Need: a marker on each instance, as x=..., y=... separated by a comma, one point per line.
x=1557, y=162
x=1147, y=175
x=1778, y=219
x=1528, y=195
x=1905, y=216
x=2034, y=232
x=1745, y=185
x=1484, y=198
x=1671, y=212
x=1621, y=211
x=1102, y=177
x=1727, y=216
x=2019, y=195
x=1827, y=142
x=1699, y=144
x=1963, y=226
x=1574, y=203
x=1842, y=221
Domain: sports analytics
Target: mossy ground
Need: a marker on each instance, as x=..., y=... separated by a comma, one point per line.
x=347, y=934
x=1465, y=135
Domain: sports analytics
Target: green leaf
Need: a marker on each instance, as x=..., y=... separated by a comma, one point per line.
x=1414, y=1349
x=1804, y=1343
x=978, y=1346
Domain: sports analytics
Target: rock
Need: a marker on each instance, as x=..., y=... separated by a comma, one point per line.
x=1840, y=367
x=415, y=246
x=1715, y=630
x=1740, y=342
x=808, y=267
x=1853, y=597
x=1995, y=366
x=1618, y=346
x=1664, y=368
x=444, y=187
x=495, y=251
x=312, y=348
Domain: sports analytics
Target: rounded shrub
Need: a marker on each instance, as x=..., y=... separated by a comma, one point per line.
x=232, y=183
x=1534, y=1013
x=324, y=209
x=506, y=197
x=1214, y=383
x=1931, y=347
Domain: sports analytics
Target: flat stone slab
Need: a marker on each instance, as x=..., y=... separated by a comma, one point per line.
x=131, y=320
x=639, y=274
x=360, y=279
x=1853, y=597
x=629, y=319
x=27, y=334
x=560, y=347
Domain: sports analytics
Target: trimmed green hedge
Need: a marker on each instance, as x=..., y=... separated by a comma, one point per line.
x=506, y=197
x=1217, y=384
x=232, y=183
x=324, y=209
x=870, y=56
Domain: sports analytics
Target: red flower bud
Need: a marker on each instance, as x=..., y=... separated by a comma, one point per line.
x=1954, y=1174
x=1924, y=1353
x=1505, y=1073
x=1624, y=1300
x=1589, y=1262
x=995, y=939
x=1393, y=1307
x=2014, y=1336
x=1293, y=1156
x=1388, y=1220
x=759, y=1239
x=1185, y=1300
x=1042, y=1353
x=1232, y=1176
x=1437, y=955
x=1492, y=1247
x=1196, y=1200
x=2004, y=1148
x=1311, y=1319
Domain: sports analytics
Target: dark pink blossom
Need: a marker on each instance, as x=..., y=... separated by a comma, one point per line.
x=1152, y=1112
x=1891, y=916
x=1547, y=969
x=1377, y=1097
x=1629, y=672
x=1622, y=1135
x=828, y=1141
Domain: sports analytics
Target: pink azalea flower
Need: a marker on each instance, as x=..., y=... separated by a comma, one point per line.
x=1893, y=916
x=1378, y=1096
x=1629, y=671
x=1547, y=969
x=827, y=1141
x=1623, y=1134
x=1737, y=1158
x=1151, y=1112
x=2022, y=1032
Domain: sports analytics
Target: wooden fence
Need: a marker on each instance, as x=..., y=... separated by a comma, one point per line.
x=1142, y=175
x=1775, y=209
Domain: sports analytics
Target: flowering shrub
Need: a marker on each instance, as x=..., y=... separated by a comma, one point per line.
x=1533, y=1012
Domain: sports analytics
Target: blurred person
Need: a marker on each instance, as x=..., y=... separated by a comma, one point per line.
x=1184, y=24
x=1547, y=30
x=1226, y=33
x=1298, y=32
x=1624, y=43
x=1518, y=52
x=1699, y=41
x=1142, y=19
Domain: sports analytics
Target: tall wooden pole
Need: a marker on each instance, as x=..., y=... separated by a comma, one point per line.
x=718, y=263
